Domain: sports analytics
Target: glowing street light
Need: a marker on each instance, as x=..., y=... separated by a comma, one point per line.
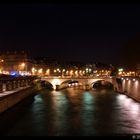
x=1, y=60
x=40, y=71
x=33, y=69
x=90, y=70
x=58, y=70
x=134, y=79
x=71, y=72
x=67, y=72
x=22, y=67
x=120, y=70
x=48, y=72
x=0, y=71
x=76, y=73
x=83, y=72
x=23, y=64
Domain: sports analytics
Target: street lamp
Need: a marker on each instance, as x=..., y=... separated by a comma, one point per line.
x=1, y=60
x=33, y=71
x=63, y=71
x=22, y=67
x=23, y=64
x=48, y=72
x=40, y=71
x=87, y=71
x=120, y=71
x=67, y=72
x=76, y=73
x=1, y=67
x=71, y=73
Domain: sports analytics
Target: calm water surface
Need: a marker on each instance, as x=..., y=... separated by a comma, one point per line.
x=72, y=112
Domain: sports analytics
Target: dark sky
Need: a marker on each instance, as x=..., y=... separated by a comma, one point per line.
x=73, y=32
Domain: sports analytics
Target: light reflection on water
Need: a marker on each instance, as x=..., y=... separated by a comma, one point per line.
x=87, y=116
x=74, y=112
x=60, y=105
x=129, y=107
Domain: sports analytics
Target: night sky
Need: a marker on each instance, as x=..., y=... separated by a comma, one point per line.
x=101, y=33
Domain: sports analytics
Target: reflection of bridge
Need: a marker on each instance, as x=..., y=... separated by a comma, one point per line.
x=62, y=82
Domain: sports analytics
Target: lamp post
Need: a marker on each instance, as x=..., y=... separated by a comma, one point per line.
x=48, y=72
x=1, y=67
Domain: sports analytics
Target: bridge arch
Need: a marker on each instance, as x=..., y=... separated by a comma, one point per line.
x=44, y=84
x=60, y=82
x=70, y=83
x=102, y=83
x=48, y=85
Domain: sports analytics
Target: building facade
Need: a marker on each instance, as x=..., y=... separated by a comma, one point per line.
x=15, y=61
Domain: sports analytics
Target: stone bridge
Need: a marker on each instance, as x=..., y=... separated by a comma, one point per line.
x=59, y=81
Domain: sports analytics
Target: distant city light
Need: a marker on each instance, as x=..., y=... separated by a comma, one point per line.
x=134, y=79
x=48, y=72
x=23, y=64
x=1, y=60
x=87, y=69
x=40, y=71
x=95, y=71
x=120, y=70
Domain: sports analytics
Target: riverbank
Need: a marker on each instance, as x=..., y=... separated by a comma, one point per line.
x=9, y=99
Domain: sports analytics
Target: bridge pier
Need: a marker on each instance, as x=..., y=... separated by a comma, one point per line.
x=57, y=87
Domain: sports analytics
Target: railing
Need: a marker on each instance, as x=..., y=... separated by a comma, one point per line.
x=8, y=83
x=72, y=77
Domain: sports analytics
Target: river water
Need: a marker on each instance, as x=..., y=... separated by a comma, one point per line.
x=72, y=112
